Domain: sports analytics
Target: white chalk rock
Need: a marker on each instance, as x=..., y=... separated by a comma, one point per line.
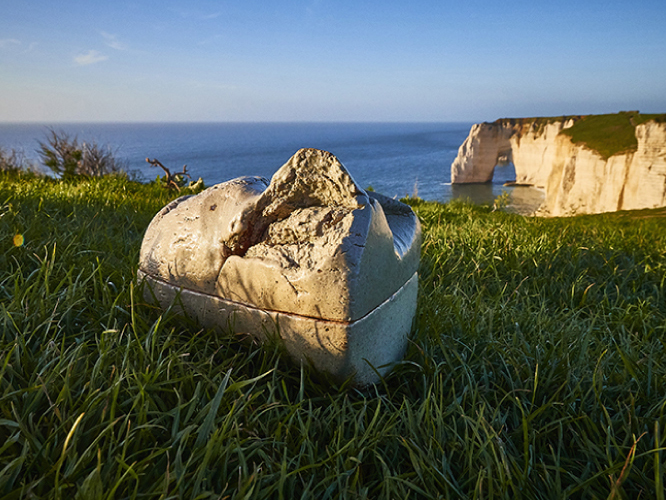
x=576, y=179
x=311, y=257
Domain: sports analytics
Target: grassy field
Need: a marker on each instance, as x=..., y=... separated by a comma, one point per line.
x=537, y=367
x=610, y=134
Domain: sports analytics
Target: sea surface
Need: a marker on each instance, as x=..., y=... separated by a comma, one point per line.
x=396, y=159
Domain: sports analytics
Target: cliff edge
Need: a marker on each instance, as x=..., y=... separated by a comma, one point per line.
x=585, y=164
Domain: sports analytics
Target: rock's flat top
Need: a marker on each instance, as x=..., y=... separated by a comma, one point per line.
x=310, y=242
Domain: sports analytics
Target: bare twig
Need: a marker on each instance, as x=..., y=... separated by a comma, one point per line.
x=171, y=180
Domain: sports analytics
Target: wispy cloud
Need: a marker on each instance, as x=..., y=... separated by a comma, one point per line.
x=199, y=84
x=313, y=7
x=210, y=40
x=113, y=42
x=195, y=14
x=7, y=42
x=90, y=57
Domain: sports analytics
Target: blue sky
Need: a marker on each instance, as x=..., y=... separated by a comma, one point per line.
x=326, y=60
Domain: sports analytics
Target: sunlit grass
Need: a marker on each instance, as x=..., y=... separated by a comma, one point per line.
x=536, y=368
x=609, y=134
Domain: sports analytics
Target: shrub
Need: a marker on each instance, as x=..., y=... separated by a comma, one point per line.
x=12, y=161
x=66, y=157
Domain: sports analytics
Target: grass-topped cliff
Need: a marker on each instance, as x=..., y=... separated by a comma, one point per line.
x=608, y=135
x=536, y=124
x=536, y=367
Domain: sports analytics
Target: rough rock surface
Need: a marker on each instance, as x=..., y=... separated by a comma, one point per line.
x=310, y=256
x=576, y=179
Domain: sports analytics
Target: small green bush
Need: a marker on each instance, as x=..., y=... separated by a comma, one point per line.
x=12, y=160
x=66, y=157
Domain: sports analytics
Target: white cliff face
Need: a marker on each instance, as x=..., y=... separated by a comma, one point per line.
x=480, y=152
x=581, y=181
x=576, y=179
x=646, y=182
x=533, y=150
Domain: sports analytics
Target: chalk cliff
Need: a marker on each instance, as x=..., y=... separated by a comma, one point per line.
x=576, y=178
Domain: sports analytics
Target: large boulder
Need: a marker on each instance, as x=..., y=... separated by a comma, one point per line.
x=311, y=257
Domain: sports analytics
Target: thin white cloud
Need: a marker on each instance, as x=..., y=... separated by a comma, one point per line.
x=199, y=84
x=113, y=42
x=312, y=8
x=212, y=39
x=195, y=14
x=90, y=57
x=7, y=42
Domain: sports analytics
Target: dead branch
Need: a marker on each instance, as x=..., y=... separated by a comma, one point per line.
x=171, y=180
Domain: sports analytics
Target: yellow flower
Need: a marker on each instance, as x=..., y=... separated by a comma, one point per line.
x=18, y=240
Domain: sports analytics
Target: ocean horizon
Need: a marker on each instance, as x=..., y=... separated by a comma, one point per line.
x=394, y=158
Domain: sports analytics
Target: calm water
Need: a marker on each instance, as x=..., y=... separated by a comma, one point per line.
x=396, y=159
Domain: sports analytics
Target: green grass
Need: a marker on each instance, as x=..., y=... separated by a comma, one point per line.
x=537, y=367
x=610, y=134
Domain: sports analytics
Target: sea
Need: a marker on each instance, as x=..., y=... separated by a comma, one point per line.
x=396, y=159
